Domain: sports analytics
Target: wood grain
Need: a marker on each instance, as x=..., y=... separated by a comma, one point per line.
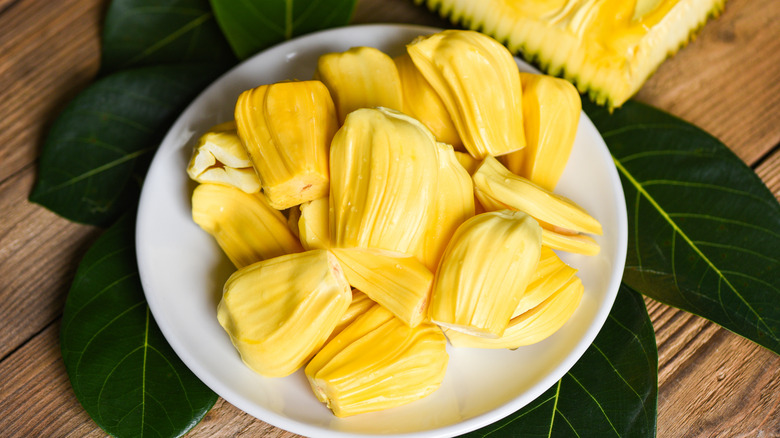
x=711, y=382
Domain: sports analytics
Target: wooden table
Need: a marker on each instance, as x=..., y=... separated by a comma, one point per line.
x=712, y=382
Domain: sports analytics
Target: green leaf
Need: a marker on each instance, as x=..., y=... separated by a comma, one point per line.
x=122, y=370
x=253, y=26
x=612, y=391
x=98, y=150
x=704, y=231
x=151, y=32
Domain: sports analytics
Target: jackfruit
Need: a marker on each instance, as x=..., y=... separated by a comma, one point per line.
x=359, y=305
x=313, y=224
x=361, y=77
x=484, y=272
x=378, y=362
x=279, y=312
x=287, y=128
x=476, y=78
x=533, y=325
x=551, y=113
x=551, y=275
x=220, y=158
x=402, y=285
x=384, y=170
x=244, y=225
x=421, y=102
x=562, y=220
x=607, y=48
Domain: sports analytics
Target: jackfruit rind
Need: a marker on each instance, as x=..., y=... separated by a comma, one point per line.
x=279, y=312
x=607, y=48
x=378, y=362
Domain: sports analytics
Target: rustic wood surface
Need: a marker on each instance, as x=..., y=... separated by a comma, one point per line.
x=712, y=382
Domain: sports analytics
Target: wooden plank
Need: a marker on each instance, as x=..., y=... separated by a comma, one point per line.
x=712, y=82
x=36, y=398
x=39, y=252
x=47, y=54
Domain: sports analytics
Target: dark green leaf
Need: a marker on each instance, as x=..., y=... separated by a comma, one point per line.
x=612, y=391
x=122, y=370
x=253, y=26
x=704, y=231
x=98, y=149
x=150, y=32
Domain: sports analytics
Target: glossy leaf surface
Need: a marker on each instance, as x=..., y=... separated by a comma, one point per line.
x=98, y=149
x=252, y=26
x=122, y=370
x=612, y=391
x=151, y=32
x=704, y=231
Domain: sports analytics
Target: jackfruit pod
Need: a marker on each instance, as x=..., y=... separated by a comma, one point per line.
x=551, y=113
x=361, y=77
x=476, y=78
x=359, y=305
x=384, y=170
x=220, y=158
x=402, y=285
x=532, y=326
x=280, y=311
x=549, y=262
x=421, y=102
x=468, y=162
x=544, y=286
x=484, y=272
x=287, y=127
x=452, y=205
x=244, y=225
x=313, y=228
x=378, y=362
x=552, y=237
x=493, y=180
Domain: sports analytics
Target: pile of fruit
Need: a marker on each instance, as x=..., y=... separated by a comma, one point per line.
x=387, y=206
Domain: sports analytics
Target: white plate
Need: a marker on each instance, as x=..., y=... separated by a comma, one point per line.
x=182, y=272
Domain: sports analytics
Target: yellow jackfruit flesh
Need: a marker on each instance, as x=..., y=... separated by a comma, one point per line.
x=359, y=305
x=553, y=274
x=453, y=204
x=379, y=157
x=551, y=113
x=608, y=48
x=287, y=127
x=484, y=272
x=378, y=362
x=244, y=225
x=421, y=102
x=220, y=158
x=361, y=77
x=279, y=312
x=313, y=224
x=495, y=183
x=402, y=285
x=476, y=78
x=533, y=325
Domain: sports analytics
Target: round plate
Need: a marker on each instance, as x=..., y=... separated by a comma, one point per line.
x=182, y=271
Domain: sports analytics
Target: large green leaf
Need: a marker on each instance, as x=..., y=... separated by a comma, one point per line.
x=704, y=231
x=98, y=149
x=612, y=391
x=150, y=32
x=251, y=26
x=122, y=370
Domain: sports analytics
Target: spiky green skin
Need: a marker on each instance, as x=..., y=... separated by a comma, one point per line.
x=557, y=53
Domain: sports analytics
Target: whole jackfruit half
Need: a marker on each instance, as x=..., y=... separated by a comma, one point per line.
x=608, y=48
